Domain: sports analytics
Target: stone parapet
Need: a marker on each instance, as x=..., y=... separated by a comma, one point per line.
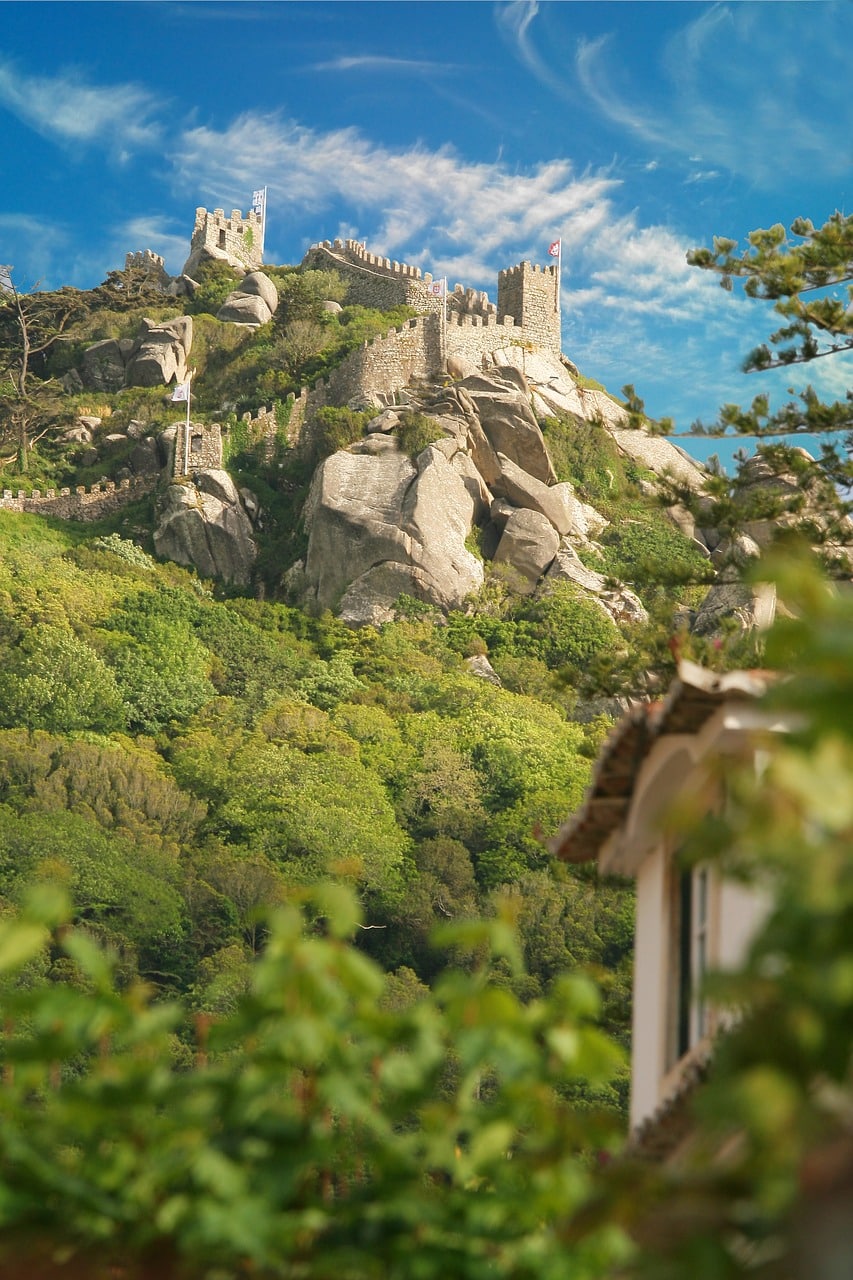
x=79, y=503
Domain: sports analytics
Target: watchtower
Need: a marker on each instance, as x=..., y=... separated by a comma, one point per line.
x=237, y=240
x=531, y=295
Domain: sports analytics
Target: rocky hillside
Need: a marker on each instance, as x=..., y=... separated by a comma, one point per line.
x=506, y=476
x=329, y=626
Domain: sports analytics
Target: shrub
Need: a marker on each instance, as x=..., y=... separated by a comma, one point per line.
x=416, y=432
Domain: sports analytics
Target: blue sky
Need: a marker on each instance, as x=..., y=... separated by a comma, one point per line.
x=462, y=137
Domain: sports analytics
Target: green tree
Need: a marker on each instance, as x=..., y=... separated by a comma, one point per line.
x=801, y=272
x=329, y=1123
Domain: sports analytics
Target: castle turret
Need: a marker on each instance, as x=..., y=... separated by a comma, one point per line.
x=237, y=240
x=530, y=294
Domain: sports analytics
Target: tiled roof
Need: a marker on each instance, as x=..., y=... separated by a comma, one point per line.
x=691, y=700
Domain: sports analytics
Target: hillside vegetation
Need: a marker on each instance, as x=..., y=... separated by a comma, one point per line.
x=182, y=757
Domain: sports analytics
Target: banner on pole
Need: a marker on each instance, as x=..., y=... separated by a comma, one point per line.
x=259, y=201
x=182, y=391
x=554, y=248
x=438, y=288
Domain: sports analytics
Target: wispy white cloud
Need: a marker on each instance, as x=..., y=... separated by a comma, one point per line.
x=378, y=62
x=428, y=202
x=67, y=109
x=736, y=85
x=157, y=233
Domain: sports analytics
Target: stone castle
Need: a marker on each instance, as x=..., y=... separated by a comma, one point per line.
x=528, y=308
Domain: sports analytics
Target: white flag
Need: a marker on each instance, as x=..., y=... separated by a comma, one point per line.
x=182, y=391
x=258, y=201
x=437, y=288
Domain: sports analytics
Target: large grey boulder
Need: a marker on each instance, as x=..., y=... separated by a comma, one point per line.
x=508, y=422
x=244, y=308
x=258, y=285
x=749, y=605
x=102, y=368
x=556, y=502
x=402, y=525
x=160, y=353
x=660, y=455
x=528, y=544
x=253, y=303
x=203, y=524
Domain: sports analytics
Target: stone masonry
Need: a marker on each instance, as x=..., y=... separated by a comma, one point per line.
x=528, y=300
x=80, y=503
x=237, y=239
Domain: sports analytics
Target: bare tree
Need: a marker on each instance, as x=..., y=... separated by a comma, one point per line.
x=29, y=325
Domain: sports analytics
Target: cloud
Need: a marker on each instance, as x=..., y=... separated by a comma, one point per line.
x=738, y=86
x=428, y=202
x=151, y=233
x=65, y=108
x=376, y=62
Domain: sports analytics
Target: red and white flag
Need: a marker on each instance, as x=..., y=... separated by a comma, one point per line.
x=182, y=391
x=554, y=249
x=437, y=288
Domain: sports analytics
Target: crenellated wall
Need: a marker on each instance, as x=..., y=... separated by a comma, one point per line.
x=528, y=295
x=374, y=281
x=80, y=503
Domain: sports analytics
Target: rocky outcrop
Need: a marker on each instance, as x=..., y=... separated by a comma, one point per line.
x=748, y=605
x=403, y=525
x=253, y=303
x=103, y=366
x=556, y=502
x=528, y=544
x=160, y=353
x=204, y=524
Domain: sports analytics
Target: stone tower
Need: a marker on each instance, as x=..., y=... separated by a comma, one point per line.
x=236, y=240
x=530, y=294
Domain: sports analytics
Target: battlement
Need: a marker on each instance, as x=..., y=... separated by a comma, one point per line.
x=525, y=269
x=151, y=262
x=356, y=253
x=531, y=294
x=79, y=503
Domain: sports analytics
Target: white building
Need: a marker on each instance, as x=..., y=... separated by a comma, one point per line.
x=688, y=919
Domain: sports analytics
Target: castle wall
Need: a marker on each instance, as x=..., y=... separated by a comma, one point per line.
x=80, y=503
x=151, y=263
x=374, y=281
x=375, y=371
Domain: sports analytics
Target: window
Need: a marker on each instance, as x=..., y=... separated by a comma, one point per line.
x=690, y=938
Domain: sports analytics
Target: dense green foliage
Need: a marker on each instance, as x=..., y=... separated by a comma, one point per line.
x=256, y=749
x=336, y=1122
x=316, y=1117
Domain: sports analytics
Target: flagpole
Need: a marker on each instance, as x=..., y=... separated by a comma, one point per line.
x=187, y=429
x=263, y=222
x=444, y=324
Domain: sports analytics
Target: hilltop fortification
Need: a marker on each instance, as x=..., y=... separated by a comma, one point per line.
x=237, y=240
x=527, y=311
